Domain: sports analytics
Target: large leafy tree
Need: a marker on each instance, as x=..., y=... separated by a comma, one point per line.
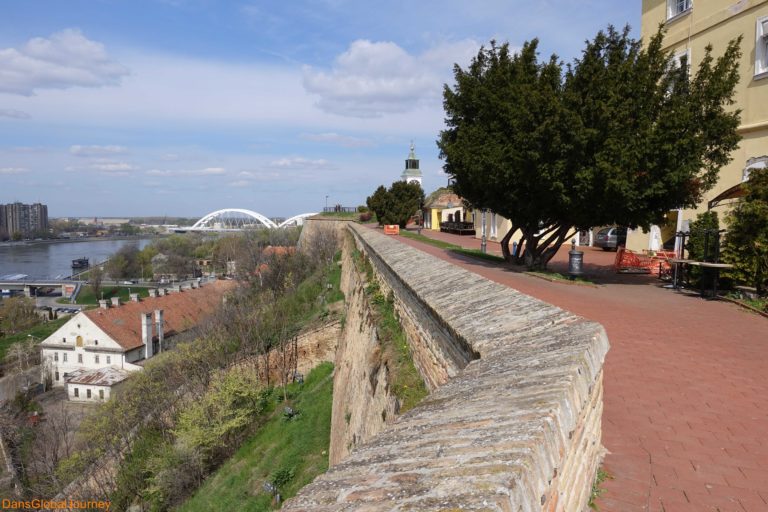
x=620, y=136
x=397, y=204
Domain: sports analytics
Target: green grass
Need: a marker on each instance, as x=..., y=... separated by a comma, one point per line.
x=557, y=276
x=427, y=240
x=334, y=278
x=293, y=452
x=597, y=491
x=473, y=253
x=476, y=253
x=340, y=215
x=40, y=332
x=86, y=295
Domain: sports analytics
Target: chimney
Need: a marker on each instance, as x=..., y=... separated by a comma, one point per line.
x=104, y=304
x=146, y=333
x=115, y=302
x=159, y=327
x=134, y=297
x=152, y=292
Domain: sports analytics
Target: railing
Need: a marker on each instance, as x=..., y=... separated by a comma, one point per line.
x=340, y=209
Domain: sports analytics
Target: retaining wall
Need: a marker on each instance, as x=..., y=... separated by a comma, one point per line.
x=513, y=419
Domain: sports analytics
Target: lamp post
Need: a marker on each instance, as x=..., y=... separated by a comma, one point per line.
x=483, y=244
x=326, y=204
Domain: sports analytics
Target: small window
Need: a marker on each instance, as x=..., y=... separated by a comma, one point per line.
x=77, y=392
x=56, y=356
x=761, y=48
x=64, y=357
x=95, y=342
x=63, y=340
x=56, y=376
x=96, y=359
x=87, y=393
x=80, y=358
x=678, y=7
x=109, y=359
x=101, y=394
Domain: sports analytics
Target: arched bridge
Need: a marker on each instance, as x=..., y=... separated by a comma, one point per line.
x=239, y=219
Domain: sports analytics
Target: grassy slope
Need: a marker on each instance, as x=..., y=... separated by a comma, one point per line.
x=40, y=332
x=300, y=444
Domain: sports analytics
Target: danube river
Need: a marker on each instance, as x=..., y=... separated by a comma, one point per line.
x=54, y=259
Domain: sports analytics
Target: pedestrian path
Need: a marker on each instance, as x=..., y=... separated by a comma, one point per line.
x=685, y=421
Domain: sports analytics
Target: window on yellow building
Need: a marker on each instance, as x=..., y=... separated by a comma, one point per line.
x=761, y=48
x=678, y=7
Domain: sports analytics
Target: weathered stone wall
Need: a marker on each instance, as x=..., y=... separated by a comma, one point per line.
x=513, y=421
x=362, y=403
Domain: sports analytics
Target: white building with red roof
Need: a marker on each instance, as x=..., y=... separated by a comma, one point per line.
x=122, y=337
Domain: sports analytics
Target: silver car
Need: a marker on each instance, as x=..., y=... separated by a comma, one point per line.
x=610, y=239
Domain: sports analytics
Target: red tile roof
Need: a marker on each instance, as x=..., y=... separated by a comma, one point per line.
x=181, y=311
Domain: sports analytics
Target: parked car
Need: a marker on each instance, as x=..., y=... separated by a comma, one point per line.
x=610, y=239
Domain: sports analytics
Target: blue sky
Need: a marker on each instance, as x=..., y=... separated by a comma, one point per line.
x=181, y=107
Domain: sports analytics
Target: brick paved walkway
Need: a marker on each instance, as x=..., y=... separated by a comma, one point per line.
x=686, y=387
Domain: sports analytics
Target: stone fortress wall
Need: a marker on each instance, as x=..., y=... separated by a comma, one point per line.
x=513, y=418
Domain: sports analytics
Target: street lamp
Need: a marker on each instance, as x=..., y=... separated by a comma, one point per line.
x=326, y=204
x=483, y=245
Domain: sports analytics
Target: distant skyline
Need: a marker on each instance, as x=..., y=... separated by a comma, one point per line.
x=182, y=107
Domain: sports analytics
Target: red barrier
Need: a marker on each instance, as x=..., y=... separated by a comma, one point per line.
x=391, y=229
x=630, y=262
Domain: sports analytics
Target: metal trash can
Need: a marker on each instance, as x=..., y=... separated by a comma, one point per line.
x=575, y=262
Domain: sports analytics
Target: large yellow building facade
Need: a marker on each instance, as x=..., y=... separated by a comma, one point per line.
x=691, y=26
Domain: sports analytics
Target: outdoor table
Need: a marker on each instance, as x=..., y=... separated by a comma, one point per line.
x=678, y=263
x=716, y=267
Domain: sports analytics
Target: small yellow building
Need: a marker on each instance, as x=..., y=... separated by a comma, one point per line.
x=691, y=26
x=443, y=205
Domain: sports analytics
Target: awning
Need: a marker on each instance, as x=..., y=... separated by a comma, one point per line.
x=735, y=192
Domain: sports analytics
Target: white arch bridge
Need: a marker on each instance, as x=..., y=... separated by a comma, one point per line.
x=239, y=219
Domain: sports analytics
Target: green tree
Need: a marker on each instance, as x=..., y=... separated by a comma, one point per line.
x=620, y=136
x=398, y=204
x=379, y=203
x=746, y=242
x=18, y=314
x=406, y=198
x=702, y=245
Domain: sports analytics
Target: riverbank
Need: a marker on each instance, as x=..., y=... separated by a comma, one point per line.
x=22, y=243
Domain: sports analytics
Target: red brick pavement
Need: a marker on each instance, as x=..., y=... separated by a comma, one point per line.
x=686, y=380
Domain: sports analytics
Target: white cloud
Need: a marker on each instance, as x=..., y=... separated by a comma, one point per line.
x=13, y=114
x=371, y=79
x=298, y=162
x=13, y=170
x=88, y=151
x=66, y=59
x=208, y=171
x=169, y=157
x=240, y=183
x=112, y=166
x=339, y=140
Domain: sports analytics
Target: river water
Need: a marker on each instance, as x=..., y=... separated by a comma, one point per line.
x=54, y=260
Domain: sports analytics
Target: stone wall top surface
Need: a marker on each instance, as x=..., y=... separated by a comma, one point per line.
x=493, y=435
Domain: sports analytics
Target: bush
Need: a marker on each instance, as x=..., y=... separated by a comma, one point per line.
x=746, y=243
x=366, y=216
x=702, y=244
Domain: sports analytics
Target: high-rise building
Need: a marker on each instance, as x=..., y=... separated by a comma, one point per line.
x=24, y=220
x=690, y=27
